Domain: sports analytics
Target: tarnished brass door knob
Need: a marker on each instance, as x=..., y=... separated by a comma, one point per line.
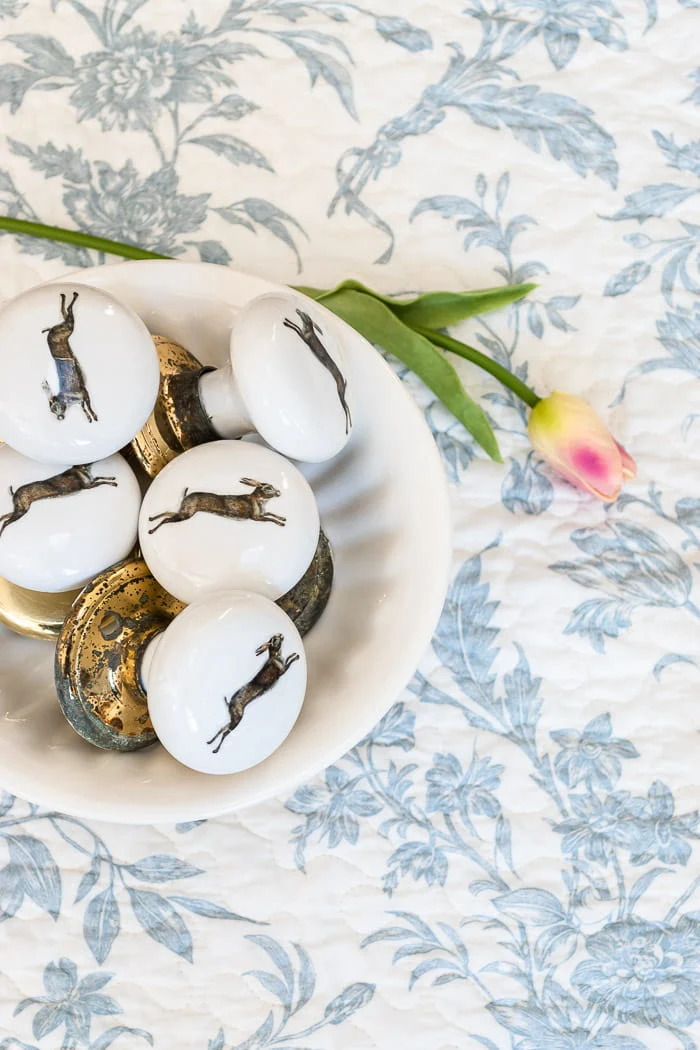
x=286, y=379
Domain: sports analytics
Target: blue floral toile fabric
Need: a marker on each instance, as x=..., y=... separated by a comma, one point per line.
x=510, y=860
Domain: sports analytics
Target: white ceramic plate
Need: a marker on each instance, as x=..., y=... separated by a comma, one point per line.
x=384, y=506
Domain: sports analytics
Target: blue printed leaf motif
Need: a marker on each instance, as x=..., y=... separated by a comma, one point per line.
x=643, y=883
x=321, y=65
x=11, y=891
x=40, y=877
x=233, y=149
x=399, y=31
x=212, y=252
x=627, y=279
x=254, y=211
x=162, y=867
x=279, y=957
x=555, y=945
x=306, y=978
x=112, y=1034
x=272, y=984
x=188, y=825
x=536, y=906
x=68, y=162
x=537, y=118
x=669, y=660
x=207, y=908
x=395, y=729
x=47, y=1020
x=44, y=54
x=654, y=201
x=102, y=924
x=561, y=46
x=94, y=981
x=523, y=702
x=231, y=107
x=15, y=81
x=464, y=637
x=161, y=921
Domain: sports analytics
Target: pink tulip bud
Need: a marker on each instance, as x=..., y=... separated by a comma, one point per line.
x=568, y=434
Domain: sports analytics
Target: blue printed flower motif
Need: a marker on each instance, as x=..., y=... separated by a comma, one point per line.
x=600, y=825
x=560, y=1023
x=335, y=808
x=125, y=86
x=661, y=835
x=593, y=755
x=121, y=206
x=450, y=788
x=644, y=972
x=74, y=1003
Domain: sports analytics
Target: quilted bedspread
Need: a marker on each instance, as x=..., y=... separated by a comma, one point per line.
x=509, y=861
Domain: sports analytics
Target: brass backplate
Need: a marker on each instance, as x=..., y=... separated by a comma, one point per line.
x=98, y=655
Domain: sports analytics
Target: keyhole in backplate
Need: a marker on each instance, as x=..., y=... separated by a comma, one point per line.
x=111, y=625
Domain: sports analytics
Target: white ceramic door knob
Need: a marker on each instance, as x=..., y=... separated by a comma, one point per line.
x=79, y=374
x=225, y=682
x=59, y=525
x=287, y=379
x=229, y=514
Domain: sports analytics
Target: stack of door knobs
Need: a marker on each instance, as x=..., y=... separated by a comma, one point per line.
x=176, y=567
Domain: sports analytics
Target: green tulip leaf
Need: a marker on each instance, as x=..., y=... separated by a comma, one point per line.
x=435, y=309
x=373, y=319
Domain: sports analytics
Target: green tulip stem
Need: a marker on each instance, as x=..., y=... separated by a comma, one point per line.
x=82, y=240
x=469, y=353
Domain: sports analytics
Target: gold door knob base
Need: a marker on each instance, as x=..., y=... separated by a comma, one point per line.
x=33, y=613
x=178, y=421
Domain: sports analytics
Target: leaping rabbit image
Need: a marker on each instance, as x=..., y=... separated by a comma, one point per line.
x=309, y=332
x=269, y=674
x=248, y=506
x=75, y=479
x=71, y=381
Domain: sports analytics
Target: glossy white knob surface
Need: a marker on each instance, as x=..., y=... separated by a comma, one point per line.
x=225, y=682
x=288, y=363
x=60, y=526
x=229, y=514
x=79, y=373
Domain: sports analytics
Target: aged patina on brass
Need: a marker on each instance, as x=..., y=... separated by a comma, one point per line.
x=99, y=651
x=33, y=613
x=178, y=421
x=306, y=601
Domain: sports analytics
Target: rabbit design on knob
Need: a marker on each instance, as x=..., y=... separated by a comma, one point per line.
x=309, y=332
x=75, y=479
x=270, y=673
x=247, y=506
x=71, y=382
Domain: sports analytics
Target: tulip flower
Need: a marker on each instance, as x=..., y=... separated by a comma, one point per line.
x=569, y=436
